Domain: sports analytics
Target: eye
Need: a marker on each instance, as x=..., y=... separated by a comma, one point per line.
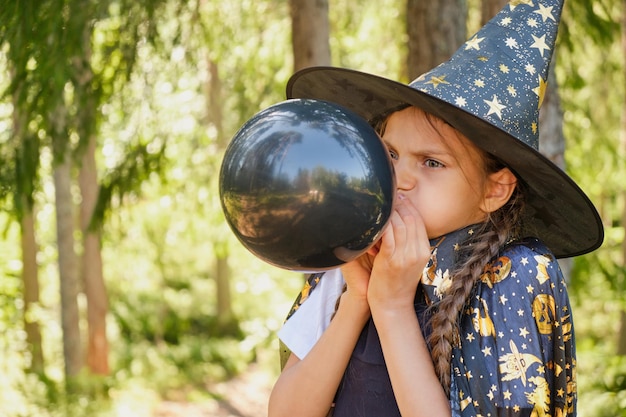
x=432, y=163
x=393, y=154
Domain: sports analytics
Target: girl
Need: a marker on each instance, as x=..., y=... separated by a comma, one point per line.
x=461, y=309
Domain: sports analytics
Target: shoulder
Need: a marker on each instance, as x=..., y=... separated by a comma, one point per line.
x=527, y=262
x=527, y=247
x=312, y=312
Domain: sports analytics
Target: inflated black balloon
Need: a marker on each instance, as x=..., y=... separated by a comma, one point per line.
x=307, y=185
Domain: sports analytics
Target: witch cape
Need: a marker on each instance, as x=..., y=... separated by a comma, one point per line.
x=515, y=351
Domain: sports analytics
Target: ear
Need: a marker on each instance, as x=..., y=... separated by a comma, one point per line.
x=498, y=189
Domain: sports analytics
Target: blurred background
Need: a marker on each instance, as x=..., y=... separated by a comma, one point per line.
x=122, y=290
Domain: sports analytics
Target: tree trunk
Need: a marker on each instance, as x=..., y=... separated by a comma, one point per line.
x=91, y=267
x=30, y=276
x=91, y=273
x=226, y=320
x=436, y=29
x=213, y=92
x=30, y=269
x=489, y=8
x=551, y=137
x=68, y=266
x=309, y=33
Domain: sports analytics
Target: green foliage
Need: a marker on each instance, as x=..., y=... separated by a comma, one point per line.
x=599, y=18
x=140, y=162
x=255, y=63
x=164, y=296
x=603, y=395
x=161, y=249
x=590, y=72
x=369, y=36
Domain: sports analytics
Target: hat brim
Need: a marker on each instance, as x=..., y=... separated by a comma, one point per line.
x=558, y=211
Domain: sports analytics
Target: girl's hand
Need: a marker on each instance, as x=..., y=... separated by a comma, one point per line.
x=357, y=275
x=397, y=268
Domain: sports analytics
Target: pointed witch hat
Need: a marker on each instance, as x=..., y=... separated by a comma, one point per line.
x=491, y=91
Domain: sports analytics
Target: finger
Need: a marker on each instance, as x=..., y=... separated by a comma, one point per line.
x=387, y=241
x=416, y=236
x=373, y=251
x=406, y=225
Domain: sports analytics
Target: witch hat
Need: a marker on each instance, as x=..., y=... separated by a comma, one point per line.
x=491, y=90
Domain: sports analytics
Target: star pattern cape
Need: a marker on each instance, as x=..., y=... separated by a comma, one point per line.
x=515, y=351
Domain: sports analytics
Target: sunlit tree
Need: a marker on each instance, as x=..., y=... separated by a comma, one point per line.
x=57, y=96
x=310, y=33
x=435, y=30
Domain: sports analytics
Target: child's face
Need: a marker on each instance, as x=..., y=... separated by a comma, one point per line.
x=438, y=169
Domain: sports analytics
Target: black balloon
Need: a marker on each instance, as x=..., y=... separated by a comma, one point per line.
x=307, y=185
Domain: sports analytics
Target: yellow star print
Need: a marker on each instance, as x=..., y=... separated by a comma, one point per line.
x=461, y=102
x=495, y=106
x=473, y=43
x=512, y=91
x=435, y=81
x=514, y=3
x=540, y=90
x=540, y=43
x=545, y=12
x=532, y=22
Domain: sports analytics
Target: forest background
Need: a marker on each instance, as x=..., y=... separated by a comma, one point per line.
x=122, y=287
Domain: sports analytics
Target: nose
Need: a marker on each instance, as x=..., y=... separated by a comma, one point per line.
x=405, y=176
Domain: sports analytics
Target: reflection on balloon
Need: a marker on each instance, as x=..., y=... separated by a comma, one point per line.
x=307, y=185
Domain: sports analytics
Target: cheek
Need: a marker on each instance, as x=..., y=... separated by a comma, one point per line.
x=470, y=180
x=477, y=187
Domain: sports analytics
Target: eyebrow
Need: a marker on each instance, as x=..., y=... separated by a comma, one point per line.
x=427, y=151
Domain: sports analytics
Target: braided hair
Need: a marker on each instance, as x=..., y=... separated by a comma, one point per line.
x=500, y=228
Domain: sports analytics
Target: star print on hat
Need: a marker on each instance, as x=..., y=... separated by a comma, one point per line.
x=491, y=90
x=501, y=73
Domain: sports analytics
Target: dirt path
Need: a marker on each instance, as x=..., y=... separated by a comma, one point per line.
x=243, y=396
